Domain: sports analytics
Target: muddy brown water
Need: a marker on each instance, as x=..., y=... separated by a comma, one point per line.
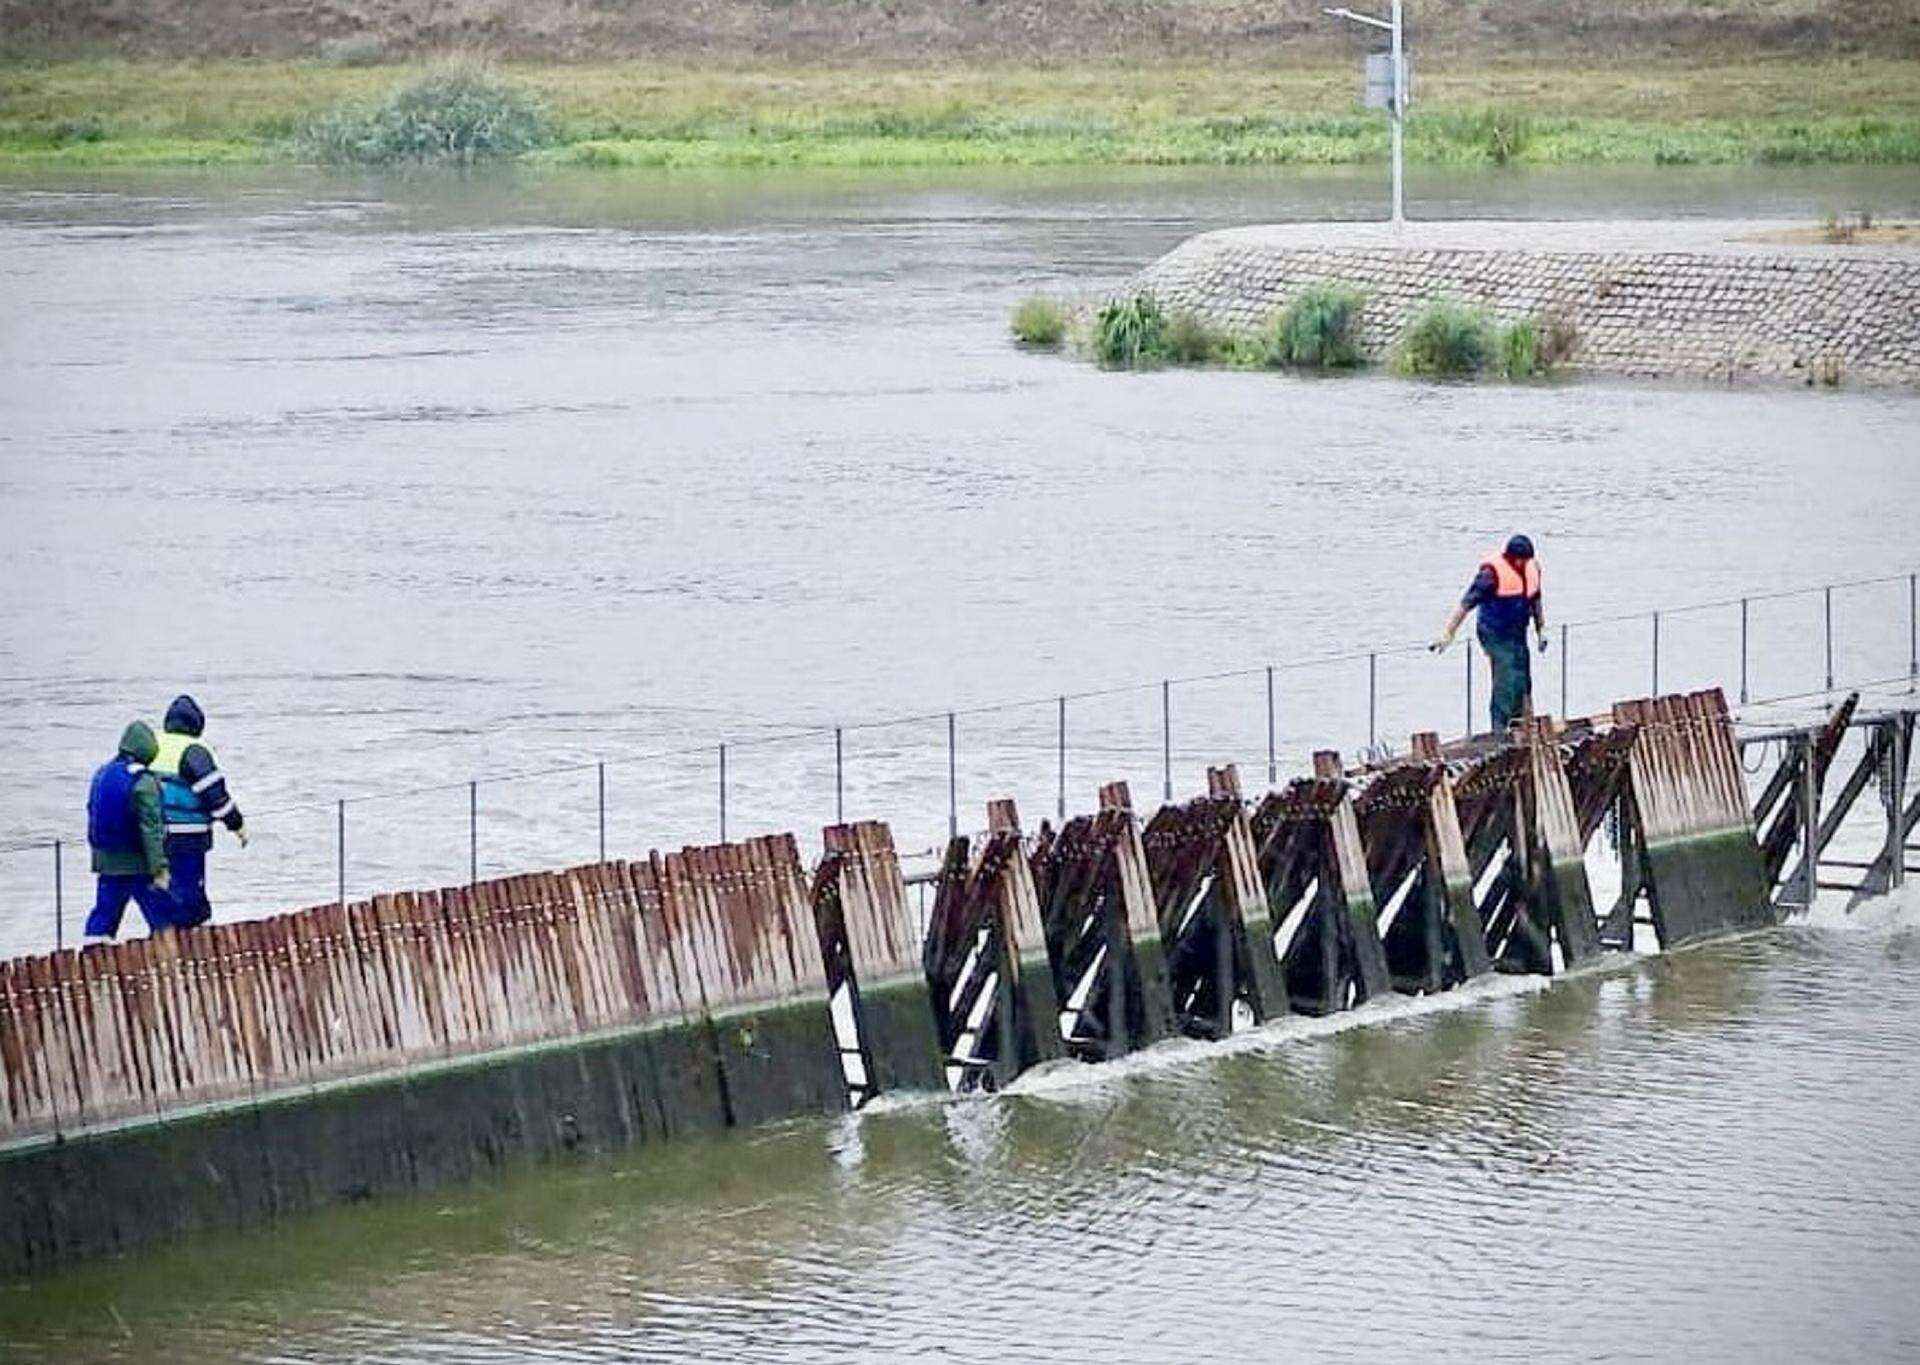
x=416, y=481
x=413, y=480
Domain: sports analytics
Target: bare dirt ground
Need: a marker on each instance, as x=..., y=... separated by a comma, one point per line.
x=905, y=31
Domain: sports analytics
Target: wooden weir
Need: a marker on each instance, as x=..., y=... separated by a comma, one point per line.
x=716, y=986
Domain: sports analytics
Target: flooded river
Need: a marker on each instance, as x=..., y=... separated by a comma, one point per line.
x=417, y=481
x=413, y=481
x=1706, y=1157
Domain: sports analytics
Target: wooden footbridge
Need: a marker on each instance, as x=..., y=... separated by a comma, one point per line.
x=223, y=1075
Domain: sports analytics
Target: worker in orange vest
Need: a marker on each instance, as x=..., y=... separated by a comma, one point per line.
x=1506, y=593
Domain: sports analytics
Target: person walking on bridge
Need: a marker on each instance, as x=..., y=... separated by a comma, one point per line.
x=1506, y=594
x=194, y=793
x=127, y=838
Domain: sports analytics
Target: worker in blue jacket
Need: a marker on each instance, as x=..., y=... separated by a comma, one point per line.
x=127, y=838
x=1506, y=593
x=194, y=795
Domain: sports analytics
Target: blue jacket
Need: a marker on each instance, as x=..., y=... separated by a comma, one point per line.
x=193, y=791
x=124, y=829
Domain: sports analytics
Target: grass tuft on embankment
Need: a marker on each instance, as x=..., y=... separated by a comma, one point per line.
x=1319, y=329
x=1040, y=322
x=634, y=114
x=456, y=114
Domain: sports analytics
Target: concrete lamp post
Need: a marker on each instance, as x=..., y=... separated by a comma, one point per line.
x=1393, y=98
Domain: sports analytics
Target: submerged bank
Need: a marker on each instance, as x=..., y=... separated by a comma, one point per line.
x=632, y=114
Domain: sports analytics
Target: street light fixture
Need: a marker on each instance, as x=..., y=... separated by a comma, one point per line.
x=1397, y=98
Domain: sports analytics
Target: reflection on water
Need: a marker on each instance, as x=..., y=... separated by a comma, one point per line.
x=1704, y=1156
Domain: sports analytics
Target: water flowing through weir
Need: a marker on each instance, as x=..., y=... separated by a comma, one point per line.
x=418, y=1038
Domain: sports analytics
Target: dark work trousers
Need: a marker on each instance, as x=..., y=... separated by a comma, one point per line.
x=110, y=903
x=1512, y=677
x=188, y=861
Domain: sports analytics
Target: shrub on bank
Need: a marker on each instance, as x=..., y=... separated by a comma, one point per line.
x=1522, y=354
x=1446, y=340
x=1040, y=321
x=1318, y=329
x=1192, y=341
x=1130, y=333
x=457, y=114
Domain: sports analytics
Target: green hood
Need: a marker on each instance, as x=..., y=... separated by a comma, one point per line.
x=137, y=742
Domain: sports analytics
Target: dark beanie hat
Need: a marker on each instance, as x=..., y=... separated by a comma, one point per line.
x=1520, y=548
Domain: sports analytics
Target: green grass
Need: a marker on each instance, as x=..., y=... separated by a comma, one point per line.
x=1040, y=322
x=456, y=114
x=1131, y=334
x=1446, y=340
x=1318, y=329
x=631, y=114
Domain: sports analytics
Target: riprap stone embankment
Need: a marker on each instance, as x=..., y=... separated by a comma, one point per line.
x=1698, y=299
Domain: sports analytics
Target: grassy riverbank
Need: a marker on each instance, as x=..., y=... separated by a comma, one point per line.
x=112, y=113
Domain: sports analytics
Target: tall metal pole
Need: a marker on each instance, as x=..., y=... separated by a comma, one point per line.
x=1399, y=118
x=1743, y=651
x=1166, y=738
x=1829, y=639
x=1656, y=655
x=723, y=793
x=602, y=777
x=953, y=781
x=1273, y=757
x=1913, y=632
x=1894, y=792
x=1062, y=809
x=1564, y=712
x=340, y=851
x=839, y=783
x=59, y=908
x=473, y=833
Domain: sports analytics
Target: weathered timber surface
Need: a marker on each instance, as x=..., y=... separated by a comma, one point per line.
x=1692, y=300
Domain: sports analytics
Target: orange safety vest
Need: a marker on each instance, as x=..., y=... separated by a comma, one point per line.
x=1511, y=582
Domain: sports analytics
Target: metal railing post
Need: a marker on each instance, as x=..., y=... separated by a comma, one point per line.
x=723, y=793
x=1564, y=712
x=340, y=851
x=1656, y=655
x=1166, y=738
x=601, y=775
x=839, y=779
x=1373, y=702
x=1829, y=595
x=59, y=906
x=1913, y=632
x=1063, y=761
x=1743, y=651
x=473, y=833
x=1469, y=656
x=953, y=779
x=1273, y=757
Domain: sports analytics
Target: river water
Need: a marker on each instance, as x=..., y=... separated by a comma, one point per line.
x=1704, y=1157
x=412, y=481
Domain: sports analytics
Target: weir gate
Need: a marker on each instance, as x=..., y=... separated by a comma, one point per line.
x=228, y=1074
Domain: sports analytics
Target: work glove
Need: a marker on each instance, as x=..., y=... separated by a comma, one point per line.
x=241, y=835
x=1439, y=646
x=162, y=880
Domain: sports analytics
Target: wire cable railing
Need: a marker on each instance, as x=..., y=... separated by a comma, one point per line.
x=729, y=745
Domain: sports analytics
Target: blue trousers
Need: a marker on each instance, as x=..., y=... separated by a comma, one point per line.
x=110, y=903
x=188, y=863
x=1512, y=677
